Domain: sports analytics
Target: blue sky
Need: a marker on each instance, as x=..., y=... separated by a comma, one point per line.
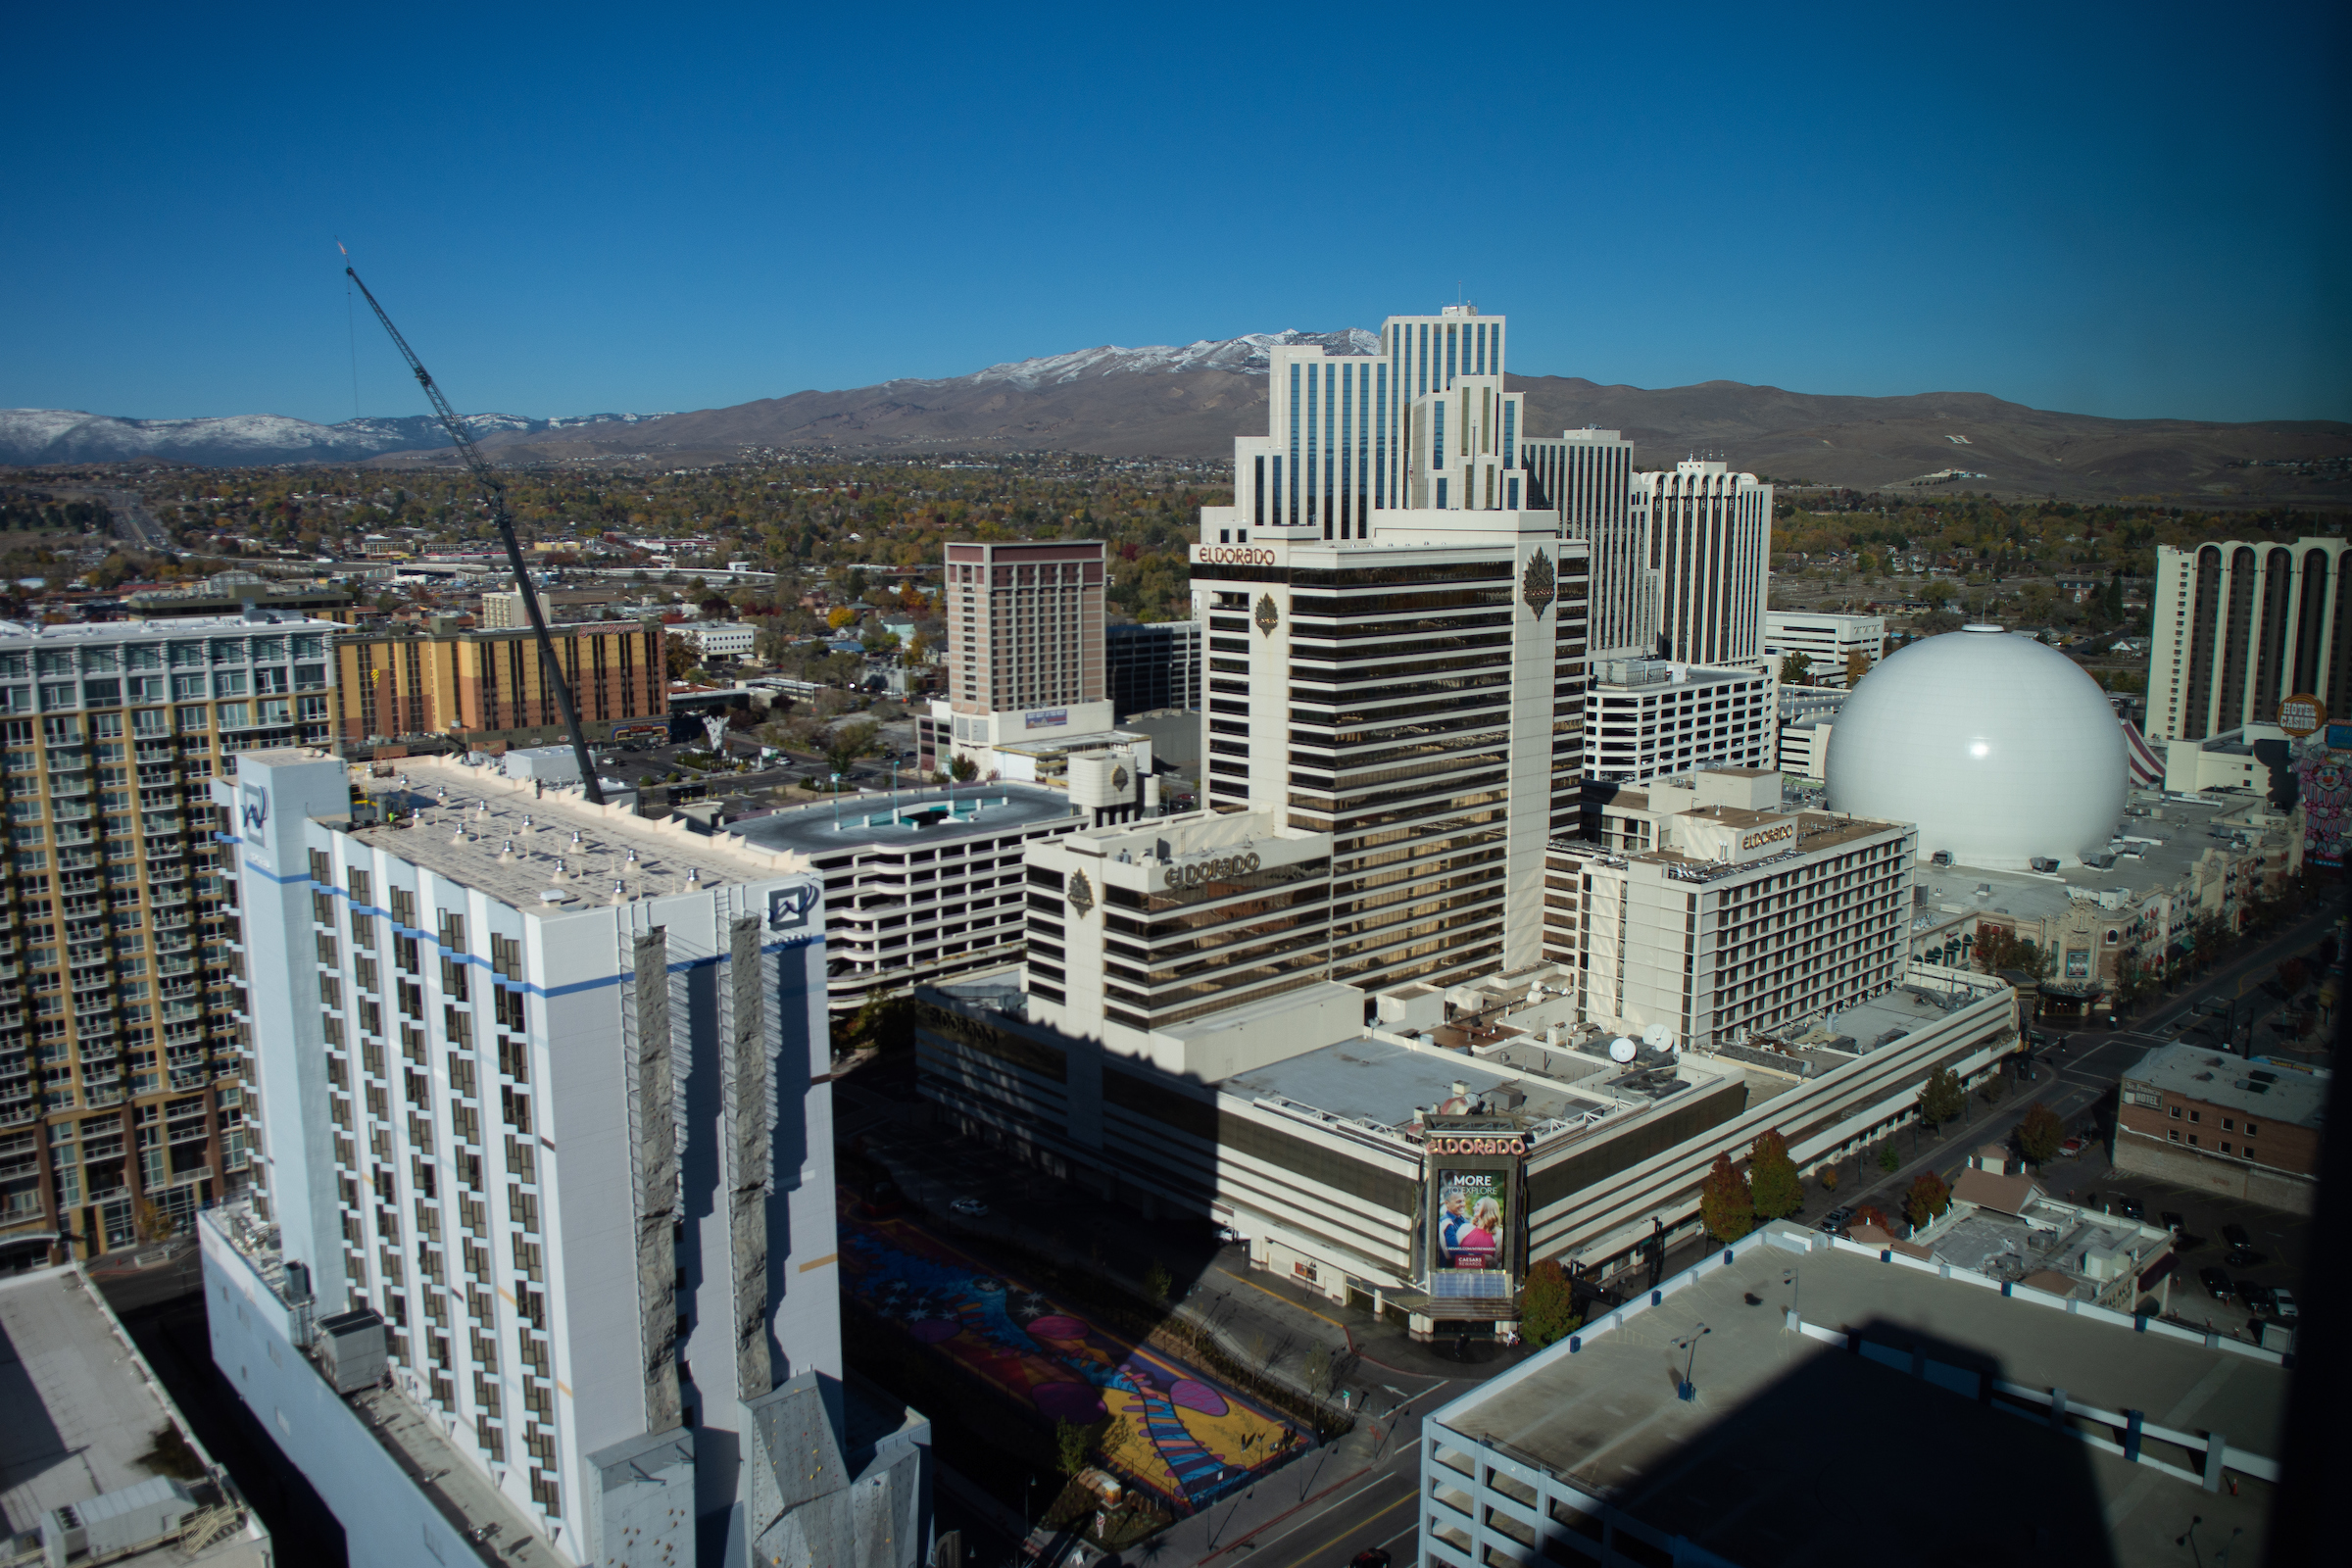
x=2131, y=210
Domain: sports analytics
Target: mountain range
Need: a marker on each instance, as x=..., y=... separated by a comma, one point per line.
x=1190, y=399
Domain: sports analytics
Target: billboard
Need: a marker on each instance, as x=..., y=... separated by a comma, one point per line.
x=1472, y=1226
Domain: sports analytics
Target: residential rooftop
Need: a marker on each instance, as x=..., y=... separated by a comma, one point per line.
x=87, y=1419
x=1797, y=1448
x=2271, y=1093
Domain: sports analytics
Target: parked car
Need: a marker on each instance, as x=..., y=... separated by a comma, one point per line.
x=2071, y=1149
x=1835, y=1222
x=2173, y=1221
x=970, y=1208
x=2132, y=1208
x=2216, y=1283
x=2236, y=1236
x=2257, y=1297
x=2243, y=1258
x=2282, y=1305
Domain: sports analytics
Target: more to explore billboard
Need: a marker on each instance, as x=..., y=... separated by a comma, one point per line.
x=1473, y=1217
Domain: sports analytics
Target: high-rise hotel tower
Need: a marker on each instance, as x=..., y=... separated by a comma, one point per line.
x=121, y=1066
x=1397, y=650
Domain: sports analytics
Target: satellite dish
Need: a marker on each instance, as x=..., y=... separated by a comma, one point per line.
x=1621, y=1049
x=1658, y=1037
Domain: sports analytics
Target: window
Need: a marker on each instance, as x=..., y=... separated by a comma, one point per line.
x=2176, y=1113
x=2175, y=1135
x=2229, y=1124
x=2249, y=1151
x=2195, y=1115
x=2225, y=1145
x=2252, y=1129
x=2192, y=1140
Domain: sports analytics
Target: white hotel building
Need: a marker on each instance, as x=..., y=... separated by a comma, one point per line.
x=1396, y=646
x=543, y=1087
x=1708, y=534
x=2240, y=625
x=1588, y=476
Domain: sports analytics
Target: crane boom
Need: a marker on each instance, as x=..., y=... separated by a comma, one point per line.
x=550, y=671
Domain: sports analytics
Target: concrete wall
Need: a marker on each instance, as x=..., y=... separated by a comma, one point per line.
x=387, y=1523
x=2210, y=1173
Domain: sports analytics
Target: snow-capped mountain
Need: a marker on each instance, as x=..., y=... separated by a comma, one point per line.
x=1245, y=355
x=31, y=436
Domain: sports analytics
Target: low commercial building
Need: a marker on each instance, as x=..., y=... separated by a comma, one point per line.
x=921, y=887
x=2179, y=870
x=1648, y=717
x=231, y=593
x=1702, y=904
x=1670, y=1429
x=2247, y=757
x=717, y=639
x=2223, y=1124
x=477, y=686
x=101, y=1466
x=1829, y=644
x=1807, y=716
x=2002, y=1226
x=1153, y=665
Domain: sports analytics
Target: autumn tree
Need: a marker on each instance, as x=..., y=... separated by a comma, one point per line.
x=1772, y=1177
x=1726, y=1206
x=1941, y=1097
x=1929, y=1196
x=2041, y=1133
x=1547, y=1304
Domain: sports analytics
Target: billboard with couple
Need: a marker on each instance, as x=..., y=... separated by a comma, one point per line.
x=1472, y=1207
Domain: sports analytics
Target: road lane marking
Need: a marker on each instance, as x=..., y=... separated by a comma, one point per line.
x=1317, y=1551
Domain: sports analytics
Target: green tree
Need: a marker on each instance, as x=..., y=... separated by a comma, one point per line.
x=1773, y=1181
x=1796, y=670
x=962, y=770
x=1725, y=1207
x=1156, y=1283
x=1548, y=1305
x=1888, y=1159
x=1929, y=1196
x=2041, y=1133
x=1072, y=1444
x=849, y=742
x=1941, y=1097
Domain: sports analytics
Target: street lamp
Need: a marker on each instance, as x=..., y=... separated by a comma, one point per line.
x=1689, y=1390
x=1788, y=1277
x=837, y=802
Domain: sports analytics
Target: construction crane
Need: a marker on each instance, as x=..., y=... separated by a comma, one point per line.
x=549, y=670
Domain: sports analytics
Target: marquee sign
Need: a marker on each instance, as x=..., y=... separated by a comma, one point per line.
x=1216, y=871
x=1449, y=1144
x=1232, y=555
x=1768, y=835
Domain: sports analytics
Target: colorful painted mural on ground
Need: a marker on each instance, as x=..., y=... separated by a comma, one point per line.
x=1172, y=1429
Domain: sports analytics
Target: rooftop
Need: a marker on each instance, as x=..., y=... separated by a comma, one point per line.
x=2275, y=1093
x=919, y=818
x=86, y=1417
x=2059, y=1237
x=1878, y=1427
x=509, y=840
x=2152, y=853
x=177, y=630
x=412, y=1435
